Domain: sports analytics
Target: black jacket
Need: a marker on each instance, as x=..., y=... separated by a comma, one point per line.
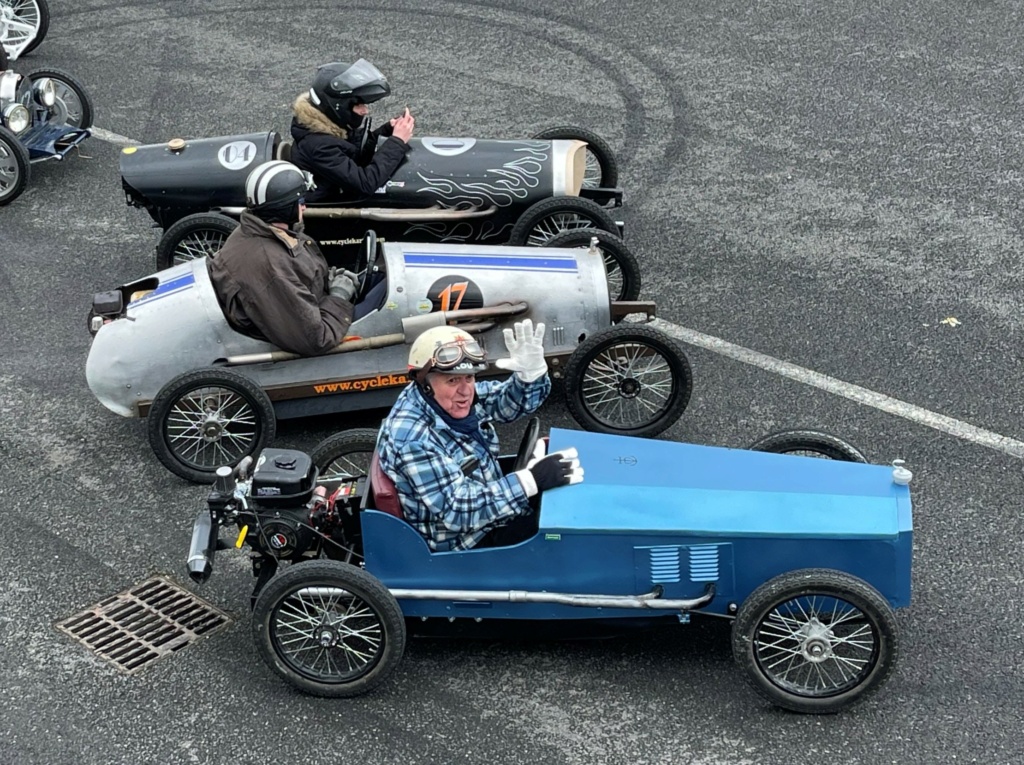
x=343, y=172
x=273, y=284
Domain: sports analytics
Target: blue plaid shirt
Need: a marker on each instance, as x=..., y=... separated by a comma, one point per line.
x=424, y=457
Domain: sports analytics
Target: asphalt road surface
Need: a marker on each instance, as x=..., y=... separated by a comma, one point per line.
x=822, y=183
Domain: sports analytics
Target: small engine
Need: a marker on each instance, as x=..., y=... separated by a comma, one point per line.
x=281, y=504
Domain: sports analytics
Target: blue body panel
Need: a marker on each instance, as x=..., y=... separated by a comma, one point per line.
x=676, y=515
x=41, y=140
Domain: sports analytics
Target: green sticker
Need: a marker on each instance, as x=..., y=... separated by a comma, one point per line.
x=552, y=537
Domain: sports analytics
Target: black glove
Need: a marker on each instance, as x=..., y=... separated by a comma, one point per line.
x=384, y=130
x=557, y=469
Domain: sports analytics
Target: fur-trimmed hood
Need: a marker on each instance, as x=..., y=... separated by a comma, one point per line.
x=314, y=120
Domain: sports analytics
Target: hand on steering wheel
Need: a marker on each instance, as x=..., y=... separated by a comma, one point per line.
x=528, y=445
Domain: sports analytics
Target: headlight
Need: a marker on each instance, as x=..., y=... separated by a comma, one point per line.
x=44, y=91
x=17, y=118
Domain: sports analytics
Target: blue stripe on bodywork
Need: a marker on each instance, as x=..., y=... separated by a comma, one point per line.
x=496, y=262
x=166, y=288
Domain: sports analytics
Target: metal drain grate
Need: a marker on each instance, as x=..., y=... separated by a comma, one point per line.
x=140, y=625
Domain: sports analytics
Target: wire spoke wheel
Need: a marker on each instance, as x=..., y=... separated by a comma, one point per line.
x=816, y=646
x=809, y=443
x=207, y=418
x=210, y=427
x=329, y=628
x=627, y=384
x=345, y=455
x=198, y=244
x=327, y=634
x=69, y=107
x=620, y=265
x=547, y=218
x=15, y=166
x=22, y=21
x=815, y=640
x=195, y=236
x=630, y=380
x=550, y=227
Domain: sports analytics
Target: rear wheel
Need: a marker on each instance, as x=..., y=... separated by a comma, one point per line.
x=619, y=262
x=203, y=419
x=329, y=629
x=15, y=167
x=73, y=105
x=630, y=380
x=602, y=169
x=22, y=20
x=809, y=443
x=550, y=217
x=816, y=640
x=345, y=455
x=192, y=237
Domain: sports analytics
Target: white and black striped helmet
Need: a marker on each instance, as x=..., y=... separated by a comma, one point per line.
x=274, y=183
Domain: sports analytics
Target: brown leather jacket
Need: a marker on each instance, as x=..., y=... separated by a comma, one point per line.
x=273, y=284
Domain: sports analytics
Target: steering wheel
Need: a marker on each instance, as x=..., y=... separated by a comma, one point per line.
x=369, y=258
x=527, y=445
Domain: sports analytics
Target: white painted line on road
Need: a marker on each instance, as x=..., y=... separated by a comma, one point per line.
x=879, y=401
x=114, y=138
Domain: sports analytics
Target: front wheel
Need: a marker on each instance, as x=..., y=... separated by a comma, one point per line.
x=628, y=379
x=73, y=106
x=345, y=455
x=329, y=629
x=192, y=237
x=15, y=167
x=550, y=217
x=816, y=640
x=809, y=443
x=602, y=171
x=203, y=419
x=620, y=263
x=23, y=21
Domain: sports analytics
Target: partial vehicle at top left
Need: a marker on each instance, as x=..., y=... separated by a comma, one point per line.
x=43, y=115
x=23, y=25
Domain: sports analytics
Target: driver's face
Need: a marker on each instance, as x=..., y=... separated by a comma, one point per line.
x=454, y=393
x=361, y=109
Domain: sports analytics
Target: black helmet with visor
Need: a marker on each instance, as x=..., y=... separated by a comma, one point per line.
x=337, y=87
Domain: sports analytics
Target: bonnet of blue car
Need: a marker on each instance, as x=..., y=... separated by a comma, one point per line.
x=646, y=485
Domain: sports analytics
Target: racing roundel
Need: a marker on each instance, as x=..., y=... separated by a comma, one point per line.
x=452, y=293
x=237, y=154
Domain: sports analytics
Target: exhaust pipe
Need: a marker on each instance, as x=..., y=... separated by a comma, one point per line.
x=204, y=545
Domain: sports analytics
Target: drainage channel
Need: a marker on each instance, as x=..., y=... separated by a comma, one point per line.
x=144, y=623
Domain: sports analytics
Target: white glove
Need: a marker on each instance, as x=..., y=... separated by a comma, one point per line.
x=526, y=349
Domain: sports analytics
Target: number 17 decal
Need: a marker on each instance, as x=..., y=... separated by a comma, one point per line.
x=454, y=292
x=459, y=290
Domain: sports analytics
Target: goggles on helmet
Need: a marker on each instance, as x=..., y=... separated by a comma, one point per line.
x=450, y=355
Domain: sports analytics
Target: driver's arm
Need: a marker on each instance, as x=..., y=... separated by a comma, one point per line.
x=293, y=318
x=340, y=169
x=510, y=399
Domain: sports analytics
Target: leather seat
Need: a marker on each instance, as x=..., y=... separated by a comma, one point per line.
x=385, y=497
